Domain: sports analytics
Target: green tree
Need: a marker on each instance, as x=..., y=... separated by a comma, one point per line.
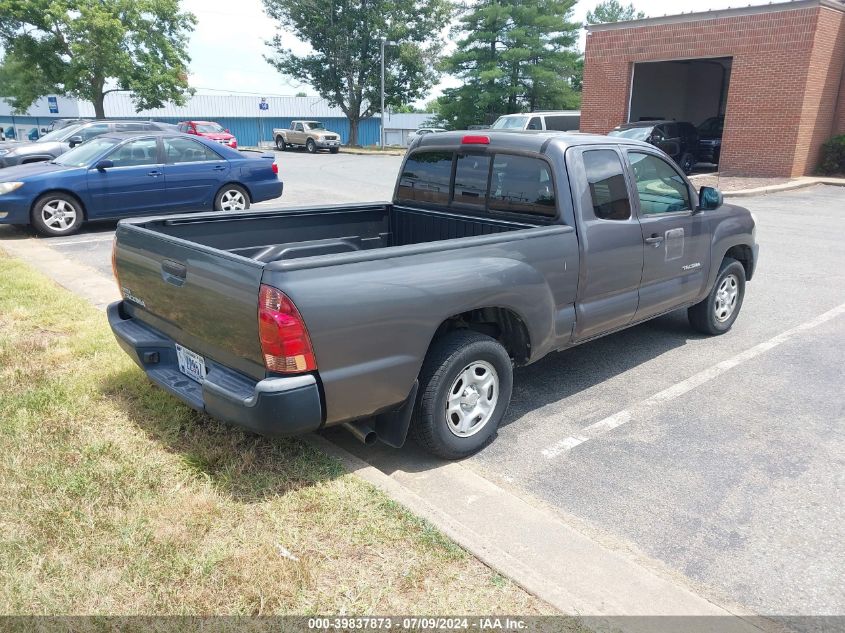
x=512, y=56
x=88, y=48
x=344, y=64
x=301, y=94
x=613, y=11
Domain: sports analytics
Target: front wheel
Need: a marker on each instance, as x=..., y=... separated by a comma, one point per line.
x=280, y=144
x=57, y=214
x=465, y=389
x=231, y=198
x=311, y=146
x=687, y=163
x=334, y=150
x=717, y=313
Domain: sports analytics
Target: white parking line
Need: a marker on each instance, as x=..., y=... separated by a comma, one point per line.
x=645, y=407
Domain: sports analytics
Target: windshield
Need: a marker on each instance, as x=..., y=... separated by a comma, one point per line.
x=209, y=128
x=712, y=126
x=60, y=135
x=82, y=155
x=510, y=123
x=636, y=133
x=315, y=125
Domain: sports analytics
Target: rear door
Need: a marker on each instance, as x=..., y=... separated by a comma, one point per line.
x=133, y=185
x=677, y=239
x=192, y=172
x=610, y=239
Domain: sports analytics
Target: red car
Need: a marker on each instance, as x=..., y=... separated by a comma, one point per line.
x=210, y=130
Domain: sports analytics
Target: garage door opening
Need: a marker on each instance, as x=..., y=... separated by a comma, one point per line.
x=691, y=90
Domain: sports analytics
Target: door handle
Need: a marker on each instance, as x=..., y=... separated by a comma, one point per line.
x=654, y=239
x=154, y=173
x=173, y=272
x=219, y=168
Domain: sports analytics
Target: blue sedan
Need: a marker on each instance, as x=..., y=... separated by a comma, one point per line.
x=129, y=174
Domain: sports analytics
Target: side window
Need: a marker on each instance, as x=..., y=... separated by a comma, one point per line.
x=298, y=127
x=562, y=122
x=608, y=190
x=660, y=188
x=471, y=172
x=135, y=153
x=425, y=177
x=671, y=130
x=659, y=134
x=130, y=127
x=178, y=149
x=93, y=130
x=183, y=128
x=535, y=124
x=521, y=184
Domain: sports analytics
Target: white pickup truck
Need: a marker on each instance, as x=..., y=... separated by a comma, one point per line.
x=309, y=134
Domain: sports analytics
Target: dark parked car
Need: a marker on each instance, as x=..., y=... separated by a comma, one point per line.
x=679, y=139
x=710, y=139
x=57, y=142
x=499, y=248
x=121, y=174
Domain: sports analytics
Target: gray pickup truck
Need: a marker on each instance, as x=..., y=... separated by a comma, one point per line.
x=498, y=248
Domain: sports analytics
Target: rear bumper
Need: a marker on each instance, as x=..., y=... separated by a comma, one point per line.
x=272, y=407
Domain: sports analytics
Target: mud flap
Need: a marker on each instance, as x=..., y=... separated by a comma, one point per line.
x=392, y=426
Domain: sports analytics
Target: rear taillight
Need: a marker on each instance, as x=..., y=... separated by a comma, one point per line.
x=275, y=168
x=114, y=263
x=284, y=338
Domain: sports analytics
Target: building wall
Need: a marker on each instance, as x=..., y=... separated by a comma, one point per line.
x=822, y=90
x=774, y=118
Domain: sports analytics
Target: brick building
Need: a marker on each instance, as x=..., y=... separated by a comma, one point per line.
x=775, y=72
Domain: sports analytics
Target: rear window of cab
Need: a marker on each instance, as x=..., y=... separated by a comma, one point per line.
x=499, y=182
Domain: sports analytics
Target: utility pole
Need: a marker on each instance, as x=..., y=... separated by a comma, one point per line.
x=383, y=42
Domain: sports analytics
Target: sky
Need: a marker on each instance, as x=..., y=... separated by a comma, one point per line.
x=228, y=46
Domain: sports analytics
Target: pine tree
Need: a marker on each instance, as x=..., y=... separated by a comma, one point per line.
x=513, y=56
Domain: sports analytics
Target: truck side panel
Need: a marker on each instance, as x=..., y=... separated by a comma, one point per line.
x=371, y=322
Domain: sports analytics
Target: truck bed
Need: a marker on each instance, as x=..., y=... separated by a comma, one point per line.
x=279, y=236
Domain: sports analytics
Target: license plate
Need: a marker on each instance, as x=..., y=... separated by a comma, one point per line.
x=190, y=363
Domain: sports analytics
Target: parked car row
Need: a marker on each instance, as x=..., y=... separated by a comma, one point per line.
x=121, y=173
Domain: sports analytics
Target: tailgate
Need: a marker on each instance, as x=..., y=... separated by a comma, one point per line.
x=203, y=298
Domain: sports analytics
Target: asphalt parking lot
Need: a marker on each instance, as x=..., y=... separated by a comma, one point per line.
x=721, y=458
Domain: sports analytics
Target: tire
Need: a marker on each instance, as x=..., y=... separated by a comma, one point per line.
x=456, y=363
x=280, y=144
x=231, y=198
x=311, y=146
x=55, y=214
x=334, y=150
x=716, y=314
x=687, y=163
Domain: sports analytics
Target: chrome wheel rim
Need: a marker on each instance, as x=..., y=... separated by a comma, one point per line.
x=232, y=200
x=58, y=215
x=726, y=298
x=472, y=399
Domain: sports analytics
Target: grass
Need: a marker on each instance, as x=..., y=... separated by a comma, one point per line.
x=117, y=499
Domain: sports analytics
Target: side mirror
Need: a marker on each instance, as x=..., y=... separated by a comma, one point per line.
x=227, y=131
x=43, y=130
x=73, y=141
x=103, y=165
x=709, y=198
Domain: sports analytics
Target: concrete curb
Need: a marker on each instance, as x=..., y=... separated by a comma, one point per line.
x=366, y=152
x=798, y=183
x=530, y=544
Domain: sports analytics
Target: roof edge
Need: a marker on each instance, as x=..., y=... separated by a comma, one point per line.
x=718, y=13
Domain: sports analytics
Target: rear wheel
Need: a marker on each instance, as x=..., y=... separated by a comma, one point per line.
x=57, y=214
x=280, y=144
x=311, y=146
x=717, y=313
x=465, y=389
x=231, y=198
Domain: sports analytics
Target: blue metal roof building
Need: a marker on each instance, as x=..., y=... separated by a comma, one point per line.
x=240, y=114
